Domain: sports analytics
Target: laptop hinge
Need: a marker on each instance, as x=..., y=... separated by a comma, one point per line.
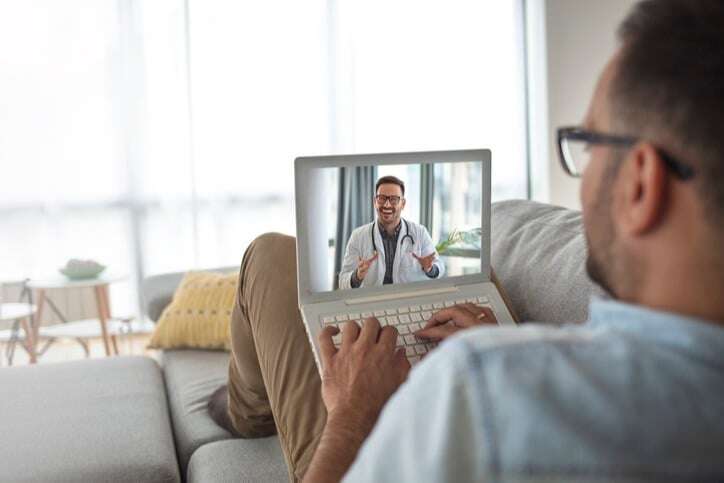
x=400, y=295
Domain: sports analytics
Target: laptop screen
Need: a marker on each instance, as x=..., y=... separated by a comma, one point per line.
x=379, y=225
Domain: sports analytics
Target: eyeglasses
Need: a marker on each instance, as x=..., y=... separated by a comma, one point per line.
x=381, y=199
x=573, y=151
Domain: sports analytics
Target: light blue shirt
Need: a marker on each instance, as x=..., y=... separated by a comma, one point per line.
x=631, y=395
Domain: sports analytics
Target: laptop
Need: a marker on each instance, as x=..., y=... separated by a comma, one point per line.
x=447, y=196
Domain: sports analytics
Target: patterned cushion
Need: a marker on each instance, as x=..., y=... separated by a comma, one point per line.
x=198, y=316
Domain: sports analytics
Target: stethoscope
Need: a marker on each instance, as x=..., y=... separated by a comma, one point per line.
x=402, y=242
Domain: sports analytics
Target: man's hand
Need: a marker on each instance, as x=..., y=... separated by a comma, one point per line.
x=425, y=262
x=357, y=381
x=451, y=320
x=359, y=378
x=363, y=265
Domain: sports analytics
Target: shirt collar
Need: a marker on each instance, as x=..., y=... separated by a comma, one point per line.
x=383, y=232
x=665, y=327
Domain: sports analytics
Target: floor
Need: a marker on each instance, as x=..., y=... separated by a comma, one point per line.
x=67, y=350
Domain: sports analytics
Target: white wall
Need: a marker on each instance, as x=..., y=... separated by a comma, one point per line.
x=575, y=38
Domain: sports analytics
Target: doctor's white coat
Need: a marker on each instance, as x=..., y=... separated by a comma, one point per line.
x=405, y=267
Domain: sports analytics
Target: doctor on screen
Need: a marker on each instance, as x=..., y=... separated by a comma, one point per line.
x=391, y=249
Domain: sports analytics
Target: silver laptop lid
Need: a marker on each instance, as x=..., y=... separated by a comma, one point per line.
x=322, y=189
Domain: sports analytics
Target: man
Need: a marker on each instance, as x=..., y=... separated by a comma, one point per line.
x=406, y=250
x=633, y=394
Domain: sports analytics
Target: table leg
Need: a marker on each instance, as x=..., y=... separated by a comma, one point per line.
x=107, y=304
x=103, y=315
x=33, y=334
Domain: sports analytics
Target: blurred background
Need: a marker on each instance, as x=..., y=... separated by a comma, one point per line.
x=158, y=136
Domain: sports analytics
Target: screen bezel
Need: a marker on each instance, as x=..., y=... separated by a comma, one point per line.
x=304, y=168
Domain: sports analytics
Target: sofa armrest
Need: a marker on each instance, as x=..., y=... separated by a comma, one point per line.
x=539, y=254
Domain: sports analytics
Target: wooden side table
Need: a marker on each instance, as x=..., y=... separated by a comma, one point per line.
x=100, y=289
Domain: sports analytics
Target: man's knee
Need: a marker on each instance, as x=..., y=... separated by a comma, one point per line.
x=271, y=247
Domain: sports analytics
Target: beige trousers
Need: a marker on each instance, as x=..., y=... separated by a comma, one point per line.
x=274, y=385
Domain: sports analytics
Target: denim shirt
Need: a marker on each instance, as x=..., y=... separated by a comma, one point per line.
x=631, y=395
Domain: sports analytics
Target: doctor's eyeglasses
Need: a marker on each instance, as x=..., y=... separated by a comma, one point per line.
x=381, y=199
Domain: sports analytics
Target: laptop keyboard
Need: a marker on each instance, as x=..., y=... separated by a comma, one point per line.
x=406, y=319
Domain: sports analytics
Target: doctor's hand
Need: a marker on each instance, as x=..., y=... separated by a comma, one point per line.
x=363, y=265
x=448, y=321
x=425, y=262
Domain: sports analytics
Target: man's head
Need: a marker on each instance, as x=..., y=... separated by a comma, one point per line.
x=389, y=200
x=665, y=87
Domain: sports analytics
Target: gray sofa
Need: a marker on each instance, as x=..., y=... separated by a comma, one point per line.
x=131, y=419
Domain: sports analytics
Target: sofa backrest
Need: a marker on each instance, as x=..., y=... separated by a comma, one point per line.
x=539, y=255
x=158, y=290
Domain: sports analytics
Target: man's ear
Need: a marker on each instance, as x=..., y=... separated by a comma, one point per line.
x=642, y=190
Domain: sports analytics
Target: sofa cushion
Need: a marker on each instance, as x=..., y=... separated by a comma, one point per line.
x=245, y=460
x=90, y=420
x=158, y=290
x=539, y=254
x=191, y=377
x=199, y=315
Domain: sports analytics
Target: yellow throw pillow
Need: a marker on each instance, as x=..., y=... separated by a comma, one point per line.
x=198, y=316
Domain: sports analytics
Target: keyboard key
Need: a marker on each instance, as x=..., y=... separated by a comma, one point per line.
x=460, y=302
x=409, y=351
x=337, y=339
x=382, y=321
x=426, y=306
x=404, y=319
x=342, y=317
x=438, y=305
x=391, y=311
x=366, y=315
x=415, y=327
x=426, y=316
x=483, y=300
x=328, y=320
x=403, y=329
x=415, y=317
x=403, y=310
x=400, y=341
x=415, y=308
x=472, y=300
x=393, y=320
x=430, y=346
x=449, y=303
x=353, y=316
x=414, y=360
x=420, y=349
x=410, y=340
x=379, y=313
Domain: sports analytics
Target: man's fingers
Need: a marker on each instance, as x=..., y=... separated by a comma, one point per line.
x=350, y=333
x=438, y=332
x=370, y=330
x=373, y=258
x=487, y=316
x=326, y=345
x=441, y=317
x=388, y=336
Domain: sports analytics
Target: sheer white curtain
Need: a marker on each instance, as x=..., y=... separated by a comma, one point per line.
x=159, y=136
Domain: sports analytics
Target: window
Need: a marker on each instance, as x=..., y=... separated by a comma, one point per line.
x=160, y=136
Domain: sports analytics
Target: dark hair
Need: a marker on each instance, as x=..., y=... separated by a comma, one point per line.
x=390, y=180
x=668, y=87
